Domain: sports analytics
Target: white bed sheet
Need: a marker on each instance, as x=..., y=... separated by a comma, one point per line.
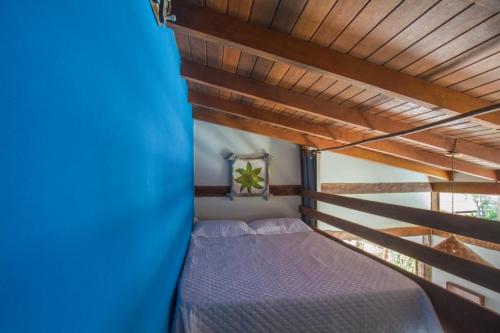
x=298, y=282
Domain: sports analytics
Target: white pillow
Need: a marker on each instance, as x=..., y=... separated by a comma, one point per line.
x=221, y=228
x=284, y=225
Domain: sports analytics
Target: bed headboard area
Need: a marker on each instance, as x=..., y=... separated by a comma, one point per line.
x=213, y=144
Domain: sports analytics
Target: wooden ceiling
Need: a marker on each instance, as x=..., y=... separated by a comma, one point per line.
x=325, y=72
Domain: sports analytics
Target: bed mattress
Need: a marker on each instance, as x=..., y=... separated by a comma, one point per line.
x=297, y=282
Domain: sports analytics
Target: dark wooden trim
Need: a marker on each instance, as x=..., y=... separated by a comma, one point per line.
x=486, y=276
x=221, y=191
x=367, y=188
x=468, y=187
x=456, y=313
x=457, y=224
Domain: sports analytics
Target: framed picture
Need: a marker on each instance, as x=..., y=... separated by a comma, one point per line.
x=465, y=293
x=249, y=175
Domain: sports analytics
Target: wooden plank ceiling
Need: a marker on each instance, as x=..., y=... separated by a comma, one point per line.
x=326, y=72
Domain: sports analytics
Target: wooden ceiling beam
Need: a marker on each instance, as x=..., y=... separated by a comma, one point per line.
x=307, y=104
x=467, y=187
x=335, y=136
x=257, y=127
x=281, y=47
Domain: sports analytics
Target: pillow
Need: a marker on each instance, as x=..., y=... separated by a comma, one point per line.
x=284, y=225
x=221, y=228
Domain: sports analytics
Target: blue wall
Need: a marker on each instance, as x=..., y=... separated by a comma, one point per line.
x=96, y=167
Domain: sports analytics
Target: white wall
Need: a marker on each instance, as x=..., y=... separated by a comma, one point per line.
x=213, y=143
x=336, y=168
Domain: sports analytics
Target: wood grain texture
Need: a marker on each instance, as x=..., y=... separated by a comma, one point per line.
x=281, y=47
x=461, y=23
x=365, y=21
x=287, y=14
x=263, y=11
x=397, y=20
x=311, y=18
x=480, y=33
x=428, y=22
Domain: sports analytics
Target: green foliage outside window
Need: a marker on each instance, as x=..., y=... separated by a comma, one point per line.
x=486, y=207
x=407, y=263
x=404, y=262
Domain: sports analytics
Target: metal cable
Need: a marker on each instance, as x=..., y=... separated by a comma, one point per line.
x=473, y=113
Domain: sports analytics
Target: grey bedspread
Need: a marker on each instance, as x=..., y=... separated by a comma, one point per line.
x=299, y=282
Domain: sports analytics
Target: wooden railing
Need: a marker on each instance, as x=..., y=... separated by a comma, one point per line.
x=457, y=314
x=457, y=224
x=484, y=275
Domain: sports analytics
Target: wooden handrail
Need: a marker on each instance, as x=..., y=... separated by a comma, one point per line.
x=456, y=313
x=463, y=225
x=486, y=276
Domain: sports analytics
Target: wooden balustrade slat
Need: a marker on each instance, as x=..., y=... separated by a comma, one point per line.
x=486, y=276
x=462, y=225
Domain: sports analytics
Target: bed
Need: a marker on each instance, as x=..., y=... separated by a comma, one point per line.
x=295, y=281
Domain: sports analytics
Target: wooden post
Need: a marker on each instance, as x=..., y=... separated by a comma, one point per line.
x=309, y=173
x=435, y=206
x=435, y=201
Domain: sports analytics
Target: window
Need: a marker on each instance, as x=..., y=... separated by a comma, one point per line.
x=407, y=263
x=483, y=206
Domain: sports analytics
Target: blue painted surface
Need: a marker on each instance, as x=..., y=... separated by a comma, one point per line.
x=96, y=167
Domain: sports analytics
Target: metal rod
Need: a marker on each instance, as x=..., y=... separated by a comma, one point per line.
x=473, y=113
